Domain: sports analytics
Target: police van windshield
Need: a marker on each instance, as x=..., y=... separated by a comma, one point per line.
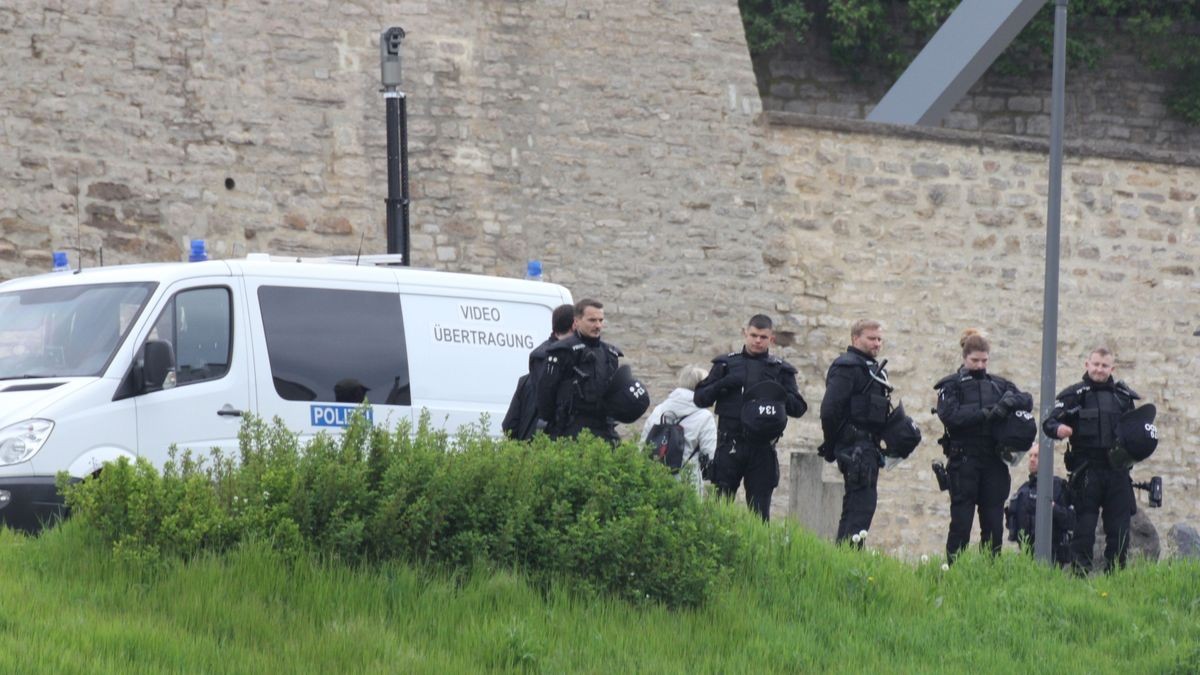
x=67, y=331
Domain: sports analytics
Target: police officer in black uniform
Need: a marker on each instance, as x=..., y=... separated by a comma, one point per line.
x=579, y=368
x=970, y=401
x=743, y=456
x=853, y=414
x=521, y=421
x=1020, y=514
x=1087, y=414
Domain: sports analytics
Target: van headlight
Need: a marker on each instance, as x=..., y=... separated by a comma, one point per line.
x=20, y=441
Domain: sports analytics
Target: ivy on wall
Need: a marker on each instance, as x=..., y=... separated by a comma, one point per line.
x=884, y=35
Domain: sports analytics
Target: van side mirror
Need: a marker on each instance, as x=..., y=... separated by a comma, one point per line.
x=149, y=371
x=157, y=361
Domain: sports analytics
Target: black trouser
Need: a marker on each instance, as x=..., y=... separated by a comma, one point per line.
x=859, y=465
x=1099, y=487
x=754, y=463
x=979, y=480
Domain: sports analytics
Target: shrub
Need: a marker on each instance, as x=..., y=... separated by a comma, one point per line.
x=146, y=515
x=605, y=518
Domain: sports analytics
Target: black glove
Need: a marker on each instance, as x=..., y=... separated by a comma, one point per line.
x=706, y=466
x=1009, y=400
x=995, y=413
x=730, y=381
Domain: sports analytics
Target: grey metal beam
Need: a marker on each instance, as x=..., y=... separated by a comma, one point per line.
x=957, y=55
x=1043, y=517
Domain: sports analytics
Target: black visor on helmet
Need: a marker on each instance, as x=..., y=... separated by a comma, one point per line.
x=764, y=414
x=900, y=434
x=626, y=398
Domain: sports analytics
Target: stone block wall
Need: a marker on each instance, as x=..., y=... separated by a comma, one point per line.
x=932, y=232
x=615, y=141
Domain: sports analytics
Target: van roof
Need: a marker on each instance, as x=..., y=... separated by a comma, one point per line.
x=339, y=268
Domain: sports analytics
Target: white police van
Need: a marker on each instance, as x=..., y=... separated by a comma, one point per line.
x=127, y=360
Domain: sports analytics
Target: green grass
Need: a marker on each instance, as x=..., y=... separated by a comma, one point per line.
x=795, y=604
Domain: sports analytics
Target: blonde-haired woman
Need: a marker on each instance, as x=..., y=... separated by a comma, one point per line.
x=970, y=400
x=699, y=425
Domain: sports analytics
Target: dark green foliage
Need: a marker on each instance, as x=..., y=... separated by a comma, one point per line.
x=609, y=520
x=769, y=23
x=883, y=36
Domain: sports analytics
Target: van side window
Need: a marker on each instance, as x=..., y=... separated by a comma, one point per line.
x=335, y=345
x=199, y=327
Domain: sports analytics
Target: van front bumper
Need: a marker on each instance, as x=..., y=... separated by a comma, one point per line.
x=30, y=503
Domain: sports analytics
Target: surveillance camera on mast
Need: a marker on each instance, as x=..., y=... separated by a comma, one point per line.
x=389, y=57
x=397, y=142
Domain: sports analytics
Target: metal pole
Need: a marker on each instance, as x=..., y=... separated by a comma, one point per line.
x=397, y=143
x=397, y=153
x=404, y=238
x=1043, y=523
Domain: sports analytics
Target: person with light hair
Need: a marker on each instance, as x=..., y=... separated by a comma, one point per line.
x=1087, y=414
x=699, y=425
x=854, y=412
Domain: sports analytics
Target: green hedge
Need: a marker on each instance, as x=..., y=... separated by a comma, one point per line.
x=608, y=519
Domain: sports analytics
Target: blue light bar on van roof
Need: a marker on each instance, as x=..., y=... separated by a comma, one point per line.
x=199, y=251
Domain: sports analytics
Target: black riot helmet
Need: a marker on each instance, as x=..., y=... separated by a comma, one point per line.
x=1013, y=435
x=1137, y=437
x=764, y=410
x=626, y=398
x=900, y=434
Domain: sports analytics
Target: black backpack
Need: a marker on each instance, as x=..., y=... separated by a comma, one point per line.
x=667, y=442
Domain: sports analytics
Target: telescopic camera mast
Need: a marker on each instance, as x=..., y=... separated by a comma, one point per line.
x=397, y=143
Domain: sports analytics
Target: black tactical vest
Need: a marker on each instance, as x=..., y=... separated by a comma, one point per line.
x=1099, y=414
x=975, y=393
x=751, y=371
x=587, y=372
x=871, y=401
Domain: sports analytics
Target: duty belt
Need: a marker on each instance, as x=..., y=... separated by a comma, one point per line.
x=1097, y=457
x=979, y=448
x=1091, y=453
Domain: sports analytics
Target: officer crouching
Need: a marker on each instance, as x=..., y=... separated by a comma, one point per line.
x=1020, y=514
x=754, y=394
x=584, y=386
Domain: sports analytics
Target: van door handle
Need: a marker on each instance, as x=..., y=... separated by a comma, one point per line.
x=229, y=411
